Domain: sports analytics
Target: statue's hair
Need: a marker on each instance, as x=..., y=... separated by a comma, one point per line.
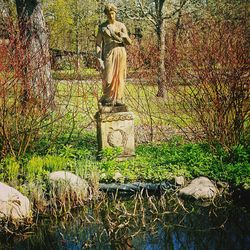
x=110, y=7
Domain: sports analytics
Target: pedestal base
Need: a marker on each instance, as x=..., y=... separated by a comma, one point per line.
x=115, y=128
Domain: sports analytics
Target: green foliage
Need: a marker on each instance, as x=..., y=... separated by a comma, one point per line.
x=71, y=23
x=240, y=153
x=34, y=168
x=39, y=166
x=158, y=162
x=153, y=162
x=9, y=170
x=110, y=154
x=55, y=162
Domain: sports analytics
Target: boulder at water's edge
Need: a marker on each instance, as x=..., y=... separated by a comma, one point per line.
x=200, y=188
x=13, y=205
x=76, y=183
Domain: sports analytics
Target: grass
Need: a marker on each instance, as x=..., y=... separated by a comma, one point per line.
x=148, y=109
x=72, y=74
x=166, y=160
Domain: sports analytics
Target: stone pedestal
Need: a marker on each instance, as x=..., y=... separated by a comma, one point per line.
x=115, y=128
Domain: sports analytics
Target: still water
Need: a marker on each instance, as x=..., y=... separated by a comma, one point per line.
x=152, y=223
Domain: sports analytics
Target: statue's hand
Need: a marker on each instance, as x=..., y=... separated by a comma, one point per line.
x=125, y=38
x=123, y=35
x=101, y=64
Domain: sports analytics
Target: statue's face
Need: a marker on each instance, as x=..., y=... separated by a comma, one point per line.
x=111, y=16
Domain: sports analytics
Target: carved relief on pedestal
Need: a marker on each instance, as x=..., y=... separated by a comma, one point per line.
x=116, y=129
x=116, y=117
x=117, y=138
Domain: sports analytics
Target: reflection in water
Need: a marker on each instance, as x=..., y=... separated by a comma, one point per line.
x=142, y=223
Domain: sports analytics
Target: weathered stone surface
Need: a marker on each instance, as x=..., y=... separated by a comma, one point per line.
x=66, y=184
x=116, y=129
x=13, y=205
x=118, y=176
x=112, y=57
x=179, y=181
x=72, y=180
x=200, y=188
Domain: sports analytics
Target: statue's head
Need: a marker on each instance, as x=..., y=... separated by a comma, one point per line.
x=110, y=11
x=110, y=7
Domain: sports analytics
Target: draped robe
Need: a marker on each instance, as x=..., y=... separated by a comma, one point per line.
x=113, y=54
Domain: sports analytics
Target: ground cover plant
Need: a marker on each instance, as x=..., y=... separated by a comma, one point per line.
x=153, y=162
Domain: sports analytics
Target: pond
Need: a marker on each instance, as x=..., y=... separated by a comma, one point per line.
x=139, y=222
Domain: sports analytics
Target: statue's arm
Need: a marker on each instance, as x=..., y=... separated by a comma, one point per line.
x=124, y=35
x=99, y=45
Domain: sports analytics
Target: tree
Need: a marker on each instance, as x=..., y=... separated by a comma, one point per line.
x=6, y=9
x=37, y=83
x=72, y=25
x=84, y=23
x=157, y=12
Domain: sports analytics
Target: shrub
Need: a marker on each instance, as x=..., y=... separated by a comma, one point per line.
x=214, y=88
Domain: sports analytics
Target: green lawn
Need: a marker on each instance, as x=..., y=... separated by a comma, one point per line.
x=142, y=100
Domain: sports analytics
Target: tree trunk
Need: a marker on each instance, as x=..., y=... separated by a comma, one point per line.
x=5, y=14
x=161, y=37
x=177, y=28
x=37, y=85
x=77, y=26
x=77, y=52
x=4, y=9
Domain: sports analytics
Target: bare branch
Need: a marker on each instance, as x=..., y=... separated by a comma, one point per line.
x=182, y=4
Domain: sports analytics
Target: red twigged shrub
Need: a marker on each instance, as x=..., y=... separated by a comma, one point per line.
x=213, y=80
x=207, y=82
x=22, y=104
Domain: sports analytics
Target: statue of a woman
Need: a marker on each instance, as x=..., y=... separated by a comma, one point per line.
x=110, y=45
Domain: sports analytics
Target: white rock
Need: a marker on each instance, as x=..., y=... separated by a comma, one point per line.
x=118, y=176
x=72, y=179
x=76, y=183
x=13, y=205
x=200, y=188
x=179, y=180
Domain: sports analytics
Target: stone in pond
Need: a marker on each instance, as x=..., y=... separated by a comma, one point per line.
x=66, y=181
x=13, y=205
x=199, y=188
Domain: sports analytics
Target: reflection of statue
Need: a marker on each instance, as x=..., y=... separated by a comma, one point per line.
x=111, y=38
